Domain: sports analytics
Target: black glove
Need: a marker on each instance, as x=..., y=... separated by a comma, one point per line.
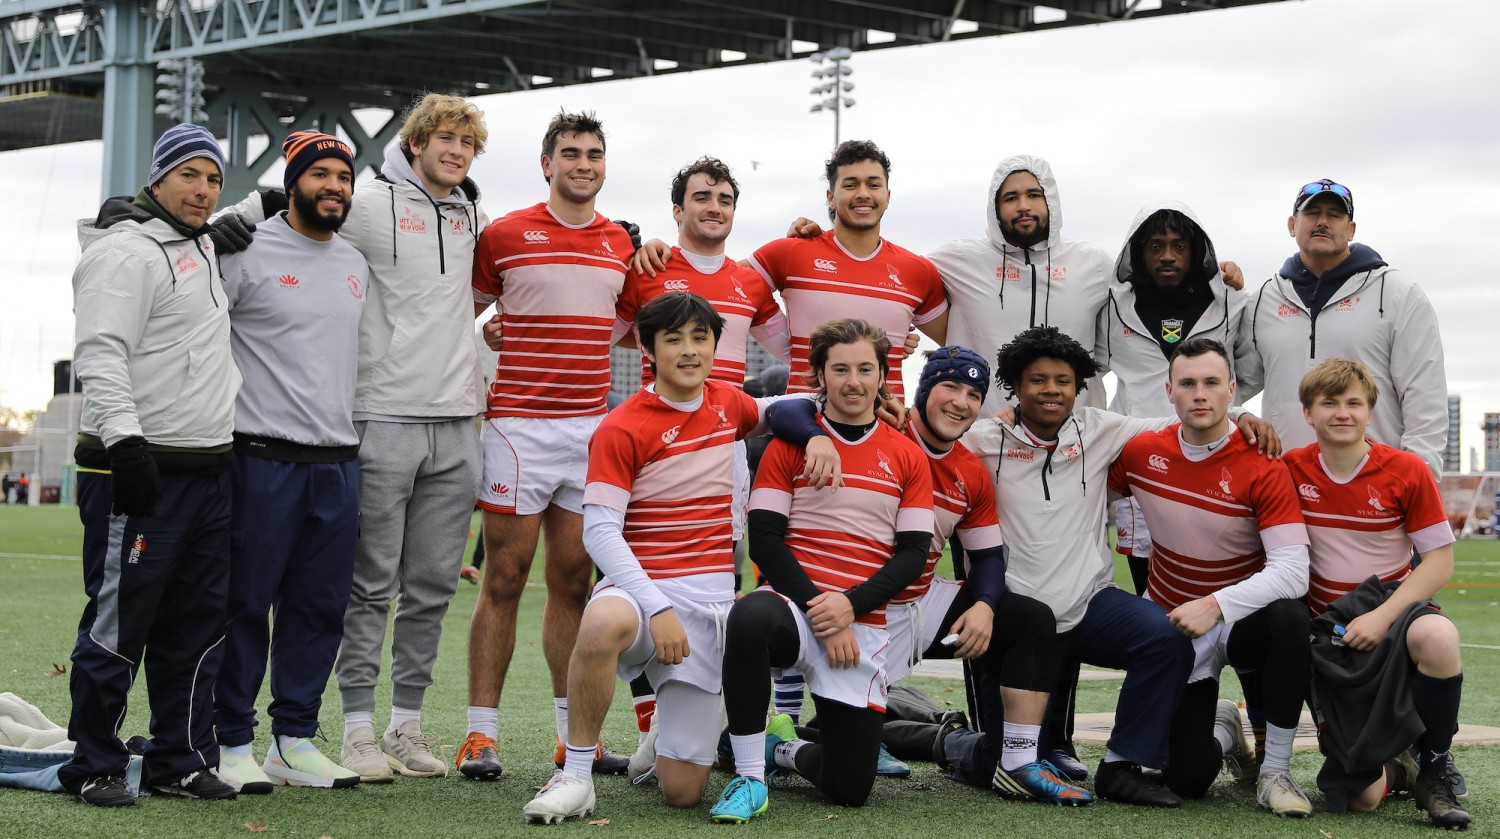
x=633, y=231
x=272, y=201
x=231, y=234
x=137, y=486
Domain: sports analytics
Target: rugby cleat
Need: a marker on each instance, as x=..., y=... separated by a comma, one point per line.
x=1040, y=781
x=742, y=800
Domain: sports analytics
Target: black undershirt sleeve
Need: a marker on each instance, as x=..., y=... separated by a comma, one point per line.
x=769, y=552
x=986, y=578
x=904, y=567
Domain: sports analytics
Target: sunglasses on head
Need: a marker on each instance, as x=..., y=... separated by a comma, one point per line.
x=1326, y=185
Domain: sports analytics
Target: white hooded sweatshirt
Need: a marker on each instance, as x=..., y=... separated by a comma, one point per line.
x=1127, y=346
x=1057, y=282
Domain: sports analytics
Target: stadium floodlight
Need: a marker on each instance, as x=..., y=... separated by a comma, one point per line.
x=834, y=83
x=180, y=96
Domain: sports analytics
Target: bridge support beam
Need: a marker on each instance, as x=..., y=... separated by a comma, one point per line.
x=128, y=100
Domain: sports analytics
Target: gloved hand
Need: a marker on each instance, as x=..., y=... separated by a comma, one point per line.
x=272, y=201
x=231, y=234
x=633, y=231
x=137, y=486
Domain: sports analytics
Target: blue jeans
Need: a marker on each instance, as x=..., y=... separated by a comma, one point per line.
x=37, y=770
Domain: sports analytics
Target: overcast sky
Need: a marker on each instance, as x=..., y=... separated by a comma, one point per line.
x=1229, y=111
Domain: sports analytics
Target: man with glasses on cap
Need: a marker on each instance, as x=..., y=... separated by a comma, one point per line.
x=1335, y=298
x=1338, y=299
x=153, y=455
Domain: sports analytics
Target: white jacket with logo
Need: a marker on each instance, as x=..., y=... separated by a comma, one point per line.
x=152, y=333
x=1380, y=318
x=1124, y=344
x=1051, y=504
x=1058, y=282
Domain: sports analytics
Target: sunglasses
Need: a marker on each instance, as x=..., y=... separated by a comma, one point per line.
x=1325, y=185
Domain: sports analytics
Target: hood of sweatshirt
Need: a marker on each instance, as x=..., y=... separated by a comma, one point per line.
x=1316, y=291
x=1042, y=170
x=1200, y=274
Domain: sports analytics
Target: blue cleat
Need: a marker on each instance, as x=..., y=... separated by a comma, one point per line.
x=1040, y=781
x=742, y=800
x=887, y=766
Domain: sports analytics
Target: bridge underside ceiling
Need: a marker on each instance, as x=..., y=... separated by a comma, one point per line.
x=379, y=51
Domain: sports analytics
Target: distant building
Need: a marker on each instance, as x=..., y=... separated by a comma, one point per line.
x=1452, y=453
x=1491, y=442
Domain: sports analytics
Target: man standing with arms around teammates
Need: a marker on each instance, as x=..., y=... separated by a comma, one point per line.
x=1336, y=298
x=1367, y=505
x=154, y=451
x=1230, y=561
x=295, y=299
x=414, y=406
x=554, y=271
x=851, y=271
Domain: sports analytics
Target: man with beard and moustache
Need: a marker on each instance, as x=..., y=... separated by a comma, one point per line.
x=1168, y=288
x=1338, y=299
x=1022, y=273
x=295, y=298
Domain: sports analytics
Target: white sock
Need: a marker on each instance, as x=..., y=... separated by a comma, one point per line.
x=1111, y=756
x=357, y=719
x=1019, y=746
x=243, y=750
x=560, y=707
x=1278, y=749
x=785, y=754
x=1225, y=738
x=400, y=716
x=749, y=755
x=579, y=764
x=484, y=720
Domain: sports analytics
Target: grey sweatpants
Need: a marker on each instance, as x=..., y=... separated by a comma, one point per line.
x=417, y=486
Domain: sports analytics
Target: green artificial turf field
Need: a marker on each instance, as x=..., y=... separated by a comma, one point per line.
x=41, y=597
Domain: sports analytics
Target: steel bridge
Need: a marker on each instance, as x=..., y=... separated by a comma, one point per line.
x=75, y=70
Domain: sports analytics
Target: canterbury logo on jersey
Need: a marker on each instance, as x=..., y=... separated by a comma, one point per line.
x=675, y=285
x=1157, y=462
x=826, y=265
x=671, y=434
x=535, y=237
x=1309, y=492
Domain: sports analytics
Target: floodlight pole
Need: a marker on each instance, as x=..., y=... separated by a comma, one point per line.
x=836, y=85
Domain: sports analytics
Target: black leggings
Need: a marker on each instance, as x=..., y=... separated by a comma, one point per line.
x=1272, y=642
x=762, y=633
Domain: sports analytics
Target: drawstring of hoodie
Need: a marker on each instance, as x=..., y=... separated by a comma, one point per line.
x=172, y=267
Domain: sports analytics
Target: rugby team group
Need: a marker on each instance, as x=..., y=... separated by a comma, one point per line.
x=280, y=407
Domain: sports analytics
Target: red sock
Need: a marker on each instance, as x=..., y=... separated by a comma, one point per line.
x=645, y=709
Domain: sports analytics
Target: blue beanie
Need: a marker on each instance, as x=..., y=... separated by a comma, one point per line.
x=181, y=143
x=951, y=364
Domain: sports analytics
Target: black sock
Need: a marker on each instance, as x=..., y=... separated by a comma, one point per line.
x=1436, y=701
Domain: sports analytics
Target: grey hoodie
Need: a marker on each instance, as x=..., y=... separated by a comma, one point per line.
x=152, y=333
x=1058, y=282
x=417, y=358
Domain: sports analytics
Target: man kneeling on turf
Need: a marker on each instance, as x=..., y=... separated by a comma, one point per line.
x=1011, y=637
x=1366, y=505
x=657, y=521
x=833, y=560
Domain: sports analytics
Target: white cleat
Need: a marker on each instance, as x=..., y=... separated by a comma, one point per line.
x=643, y=762
x=560, y=799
